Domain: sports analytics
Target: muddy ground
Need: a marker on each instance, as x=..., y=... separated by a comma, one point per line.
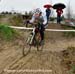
x=57, y=56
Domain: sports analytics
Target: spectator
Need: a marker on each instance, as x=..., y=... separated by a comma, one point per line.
x=48, y=12
x=59, y=12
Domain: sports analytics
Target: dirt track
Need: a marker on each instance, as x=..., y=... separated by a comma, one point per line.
x=11, y=56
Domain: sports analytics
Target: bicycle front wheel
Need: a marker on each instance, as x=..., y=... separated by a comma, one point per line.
x=26, y=46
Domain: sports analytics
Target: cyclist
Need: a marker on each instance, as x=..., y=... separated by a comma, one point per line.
x=40, y=17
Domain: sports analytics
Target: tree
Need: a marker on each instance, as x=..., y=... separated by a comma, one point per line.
x=69, y=11
x=30, y=14
x=26, y=13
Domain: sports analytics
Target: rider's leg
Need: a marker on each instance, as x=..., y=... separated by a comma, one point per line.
x=57, y=19
x=42, y=34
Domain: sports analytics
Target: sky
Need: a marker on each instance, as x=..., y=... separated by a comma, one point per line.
x=28, y=5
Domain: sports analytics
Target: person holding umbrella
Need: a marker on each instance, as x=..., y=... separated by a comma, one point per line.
x=59, y=10
x=48, y=11
x=59, y=13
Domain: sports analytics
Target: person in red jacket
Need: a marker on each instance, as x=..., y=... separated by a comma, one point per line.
x=59, y=12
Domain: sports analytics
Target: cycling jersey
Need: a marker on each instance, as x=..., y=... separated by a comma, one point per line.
x=41, y=17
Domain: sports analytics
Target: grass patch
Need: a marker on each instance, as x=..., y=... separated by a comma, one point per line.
x=69, y=59
x=6, y=32
x=69, y=34
x=72, y=71
x=2, y=16
x=16, y=20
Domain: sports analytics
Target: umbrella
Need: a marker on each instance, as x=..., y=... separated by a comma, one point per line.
x=47, y=6
x=59, y=5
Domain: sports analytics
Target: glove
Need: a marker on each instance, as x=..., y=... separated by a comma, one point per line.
x=27, y=22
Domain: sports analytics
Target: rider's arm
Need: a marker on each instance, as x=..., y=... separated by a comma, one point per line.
x=32, y=19
x=45, y=20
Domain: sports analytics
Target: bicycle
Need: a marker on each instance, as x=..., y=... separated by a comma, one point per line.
x=33, y=39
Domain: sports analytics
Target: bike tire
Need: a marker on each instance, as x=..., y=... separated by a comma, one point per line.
x=38, y=40
x=26, y=46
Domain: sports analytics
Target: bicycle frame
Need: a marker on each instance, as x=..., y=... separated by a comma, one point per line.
x=33, y=32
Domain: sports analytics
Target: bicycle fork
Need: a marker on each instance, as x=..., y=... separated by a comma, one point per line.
x=33, y=34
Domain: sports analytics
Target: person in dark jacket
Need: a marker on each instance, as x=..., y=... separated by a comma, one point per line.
x=48, y=11
x=59, y=12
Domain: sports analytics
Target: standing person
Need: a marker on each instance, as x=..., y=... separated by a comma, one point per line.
x=48, y=12
x=39, y=17
x=59, y=12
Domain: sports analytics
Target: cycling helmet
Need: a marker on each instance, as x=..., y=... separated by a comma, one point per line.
x=37, y=10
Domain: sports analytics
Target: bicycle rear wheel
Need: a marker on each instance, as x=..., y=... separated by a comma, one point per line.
x=26, y=46
x=38, y=40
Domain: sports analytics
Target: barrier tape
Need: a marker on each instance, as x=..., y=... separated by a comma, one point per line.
x=57, y=30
